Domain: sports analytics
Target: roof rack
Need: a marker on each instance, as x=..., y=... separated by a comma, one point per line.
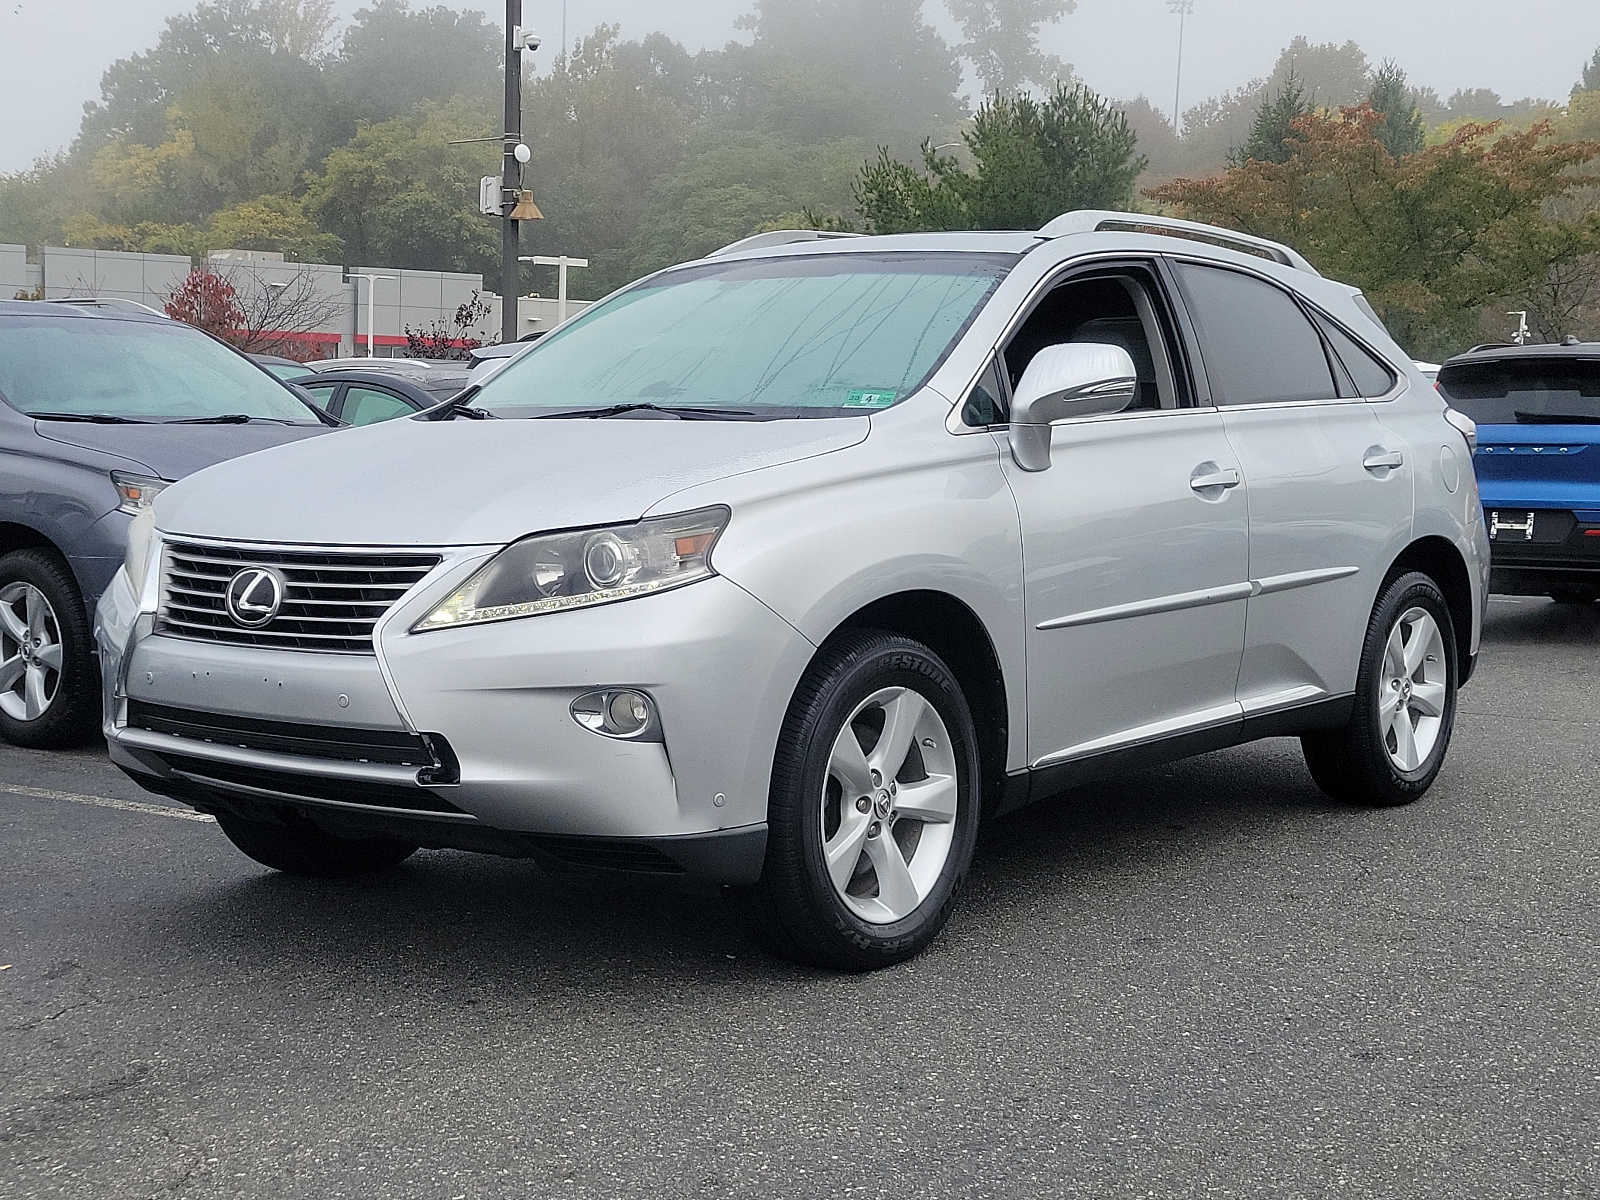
x=1490, y=346
x=779, y=237
x=117, y=302
x=1100, y=221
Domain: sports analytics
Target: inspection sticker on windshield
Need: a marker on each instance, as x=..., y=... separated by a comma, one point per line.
x=870, y=398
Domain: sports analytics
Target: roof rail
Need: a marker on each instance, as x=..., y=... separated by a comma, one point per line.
x=779, y=237
x=1098, y=221
x=1491, y=346
x=119, y=302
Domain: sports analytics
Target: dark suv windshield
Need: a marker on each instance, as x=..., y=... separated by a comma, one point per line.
x=134, y=371
x=1524, y=391
x=812, y=335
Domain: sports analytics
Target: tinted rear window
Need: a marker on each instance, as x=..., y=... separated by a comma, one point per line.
x=1259, y=347
x=1524, y=392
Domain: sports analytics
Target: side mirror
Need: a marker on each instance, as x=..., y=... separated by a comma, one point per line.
x=1075, y=380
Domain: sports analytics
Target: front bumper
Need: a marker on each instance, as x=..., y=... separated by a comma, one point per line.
x=464, y=737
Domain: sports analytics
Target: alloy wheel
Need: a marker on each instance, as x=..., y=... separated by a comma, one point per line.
x=30, y=652
x=889, y=805
x=1415, y=679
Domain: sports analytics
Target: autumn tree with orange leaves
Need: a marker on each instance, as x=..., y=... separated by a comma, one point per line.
x=1433, y=238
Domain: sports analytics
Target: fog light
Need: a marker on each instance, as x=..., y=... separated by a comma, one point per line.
x=620, y=713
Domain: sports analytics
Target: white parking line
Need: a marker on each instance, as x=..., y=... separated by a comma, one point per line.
x=156, y=810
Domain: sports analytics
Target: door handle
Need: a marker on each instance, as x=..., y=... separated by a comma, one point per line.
x=1208, y=477
x=1379, y=459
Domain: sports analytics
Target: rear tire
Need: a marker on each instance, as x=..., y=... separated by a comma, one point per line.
x=1391, y=750
x=874, y=805
x=300, y=848
x=49, y=681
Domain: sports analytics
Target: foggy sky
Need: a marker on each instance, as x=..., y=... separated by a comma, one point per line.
x=53, y=51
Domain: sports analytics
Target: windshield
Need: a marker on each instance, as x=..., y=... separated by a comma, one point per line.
x=1525, y=391
x=134, y=371
x=820, y=335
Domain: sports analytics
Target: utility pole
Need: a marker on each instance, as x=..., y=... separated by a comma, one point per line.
x=511, y=173
x=1183, y=9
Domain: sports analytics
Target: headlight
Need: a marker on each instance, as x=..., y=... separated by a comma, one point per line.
x=136, y=492
x=555, y=571
x=136, y=556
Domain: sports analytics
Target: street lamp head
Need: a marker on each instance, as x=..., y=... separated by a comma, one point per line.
x=1181, y=8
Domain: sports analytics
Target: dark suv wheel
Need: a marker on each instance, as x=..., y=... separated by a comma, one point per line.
x=49, y=685
x=874, y=806
x=1392, y=748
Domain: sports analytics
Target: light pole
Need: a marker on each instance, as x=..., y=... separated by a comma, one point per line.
x=372, y=308
x=561, y=262
x=1183, y=9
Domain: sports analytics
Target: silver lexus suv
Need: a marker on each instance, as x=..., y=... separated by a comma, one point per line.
x=785, y=568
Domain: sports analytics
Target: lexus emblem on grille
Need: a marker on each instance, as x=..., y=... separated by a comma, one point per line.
x=254, y=596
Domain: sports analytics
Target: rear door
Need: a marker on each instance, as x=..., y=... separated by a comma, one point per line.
x=1329, y=486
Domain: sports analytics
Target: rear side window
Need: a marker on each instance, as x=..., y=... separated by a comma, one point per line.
x=368, y=406
x=1259, y=345
x=1525, y=392
x=1369, y=373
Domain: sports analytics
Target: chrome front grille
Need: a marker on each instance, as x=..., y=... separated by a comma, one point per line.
x=331, y=599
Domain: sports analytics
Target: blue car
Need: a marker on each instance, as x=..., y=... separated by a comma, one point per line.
x=101, y=406
x=1537, y=409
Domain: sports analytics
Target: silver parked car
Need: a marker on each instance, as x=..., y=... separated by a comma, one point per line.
x=783, y=568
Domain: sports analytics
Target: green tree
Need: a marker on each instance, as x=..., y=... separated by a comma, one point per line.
x=1273, y=134
x=1401, y=131
x=1589, y=81
x=275, y=223
x=1434, y=239
x=394, y=58
x=399, y=193
x=1001, y=41
x=819, y=69
x=1032, y=161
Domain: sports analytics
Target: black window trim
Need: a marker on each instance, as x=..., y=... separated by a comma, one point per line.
x=1180, y=352
x=1311, y=311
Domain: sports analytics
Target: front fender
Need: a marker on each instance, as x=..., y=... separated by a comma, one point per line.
x=912, y=508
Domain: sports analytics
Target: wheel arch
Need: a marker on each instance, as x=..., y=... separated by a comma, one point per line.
x=1440, y=560
x=15, y=536
x=953, y=631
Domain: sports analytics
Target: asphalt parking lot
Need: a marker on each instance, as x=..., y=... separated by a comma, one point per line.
x=1204, y=980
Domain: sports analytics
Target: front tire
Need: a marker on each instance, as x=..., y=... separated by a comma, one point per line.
x=49, y=684
x=300, y=848
x=1391, y=750
x=874, y=806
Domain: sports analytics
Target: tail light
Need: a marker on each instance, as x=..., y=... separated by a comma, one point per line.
x=1467, y=427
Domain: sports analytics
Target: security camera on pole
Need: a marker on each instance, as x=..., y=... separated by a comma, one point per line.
x=515, y=203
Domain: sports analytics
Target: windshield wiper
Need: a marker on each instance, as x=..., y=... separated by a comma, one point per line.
x=457, y=406
x=681, y=412
x=1532, y=418
x=89, y=418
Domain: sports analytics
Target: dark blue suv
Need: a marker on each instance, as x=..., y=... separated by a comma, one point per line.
x=100, y=408
x=1538, y=460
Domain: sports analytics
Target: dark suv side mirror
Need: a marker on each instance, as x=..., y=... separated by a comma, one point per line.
x=1075, y=380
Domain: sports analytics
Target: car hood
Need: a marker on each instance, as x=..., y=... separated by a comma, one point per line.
x=463, y=482
x=176, y=451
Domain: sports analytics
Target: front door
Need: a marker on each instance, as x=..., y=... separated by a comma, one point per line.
x=1134, y=539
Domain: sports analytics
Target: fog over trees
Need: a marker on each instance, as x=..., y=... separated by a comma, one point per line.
x=273, y=125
